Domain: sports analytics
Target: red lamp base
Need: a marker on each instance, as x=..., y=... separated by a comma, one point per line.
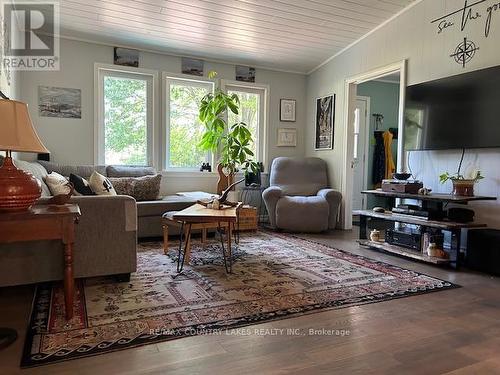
x=19, y=190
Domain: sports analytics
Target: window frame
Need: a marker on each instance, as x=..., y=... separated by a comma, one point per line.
x=229, y=85
x=167, y=79
x=151, y=77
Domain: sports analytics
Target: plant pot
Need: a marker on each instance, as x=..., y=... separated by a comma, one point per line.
x=463, y=187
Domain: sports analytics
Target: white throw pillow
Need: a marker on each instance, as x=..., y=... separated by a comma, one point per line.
x=58, y=184
x=101, y=185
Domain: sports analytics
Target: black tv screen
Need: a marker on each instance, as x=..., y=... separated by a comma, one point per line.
x=462, y=111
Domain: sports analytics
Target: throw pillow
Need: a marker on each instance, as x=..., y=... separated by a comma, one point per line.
x=58, y=184
x=145, y=188
x=101, y=185
x=81, y=185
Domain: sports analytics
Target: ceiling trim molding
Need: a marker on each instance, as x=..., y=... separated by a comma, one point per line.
x=405, y=9
x=159, y=52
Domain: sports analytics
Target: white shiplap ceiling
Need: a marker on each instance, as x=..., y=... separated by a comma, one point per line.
x=291, y=35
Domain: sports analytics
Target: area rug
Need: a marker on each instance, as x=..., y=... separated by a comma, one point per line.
x=275, y=276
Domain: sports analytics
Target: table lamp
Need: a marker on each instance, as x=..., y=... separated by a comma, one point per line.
x=19, y=190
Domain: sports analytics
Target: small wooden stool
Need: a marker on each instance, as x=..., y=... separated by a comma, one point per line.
x=167, y=221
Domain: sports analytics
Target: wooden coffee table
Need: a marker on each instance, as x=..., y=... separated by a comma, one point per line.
x=194, y=217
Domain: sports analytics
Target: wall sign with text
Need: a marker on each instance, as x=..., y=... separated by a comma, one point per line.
x=472, y=12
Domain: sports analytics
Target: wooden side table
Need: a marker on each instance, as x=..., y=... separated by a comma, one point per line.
x=46, y=222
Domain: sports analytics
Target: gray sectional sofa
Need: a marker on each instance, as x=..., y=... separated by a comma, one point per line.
x=106, y=236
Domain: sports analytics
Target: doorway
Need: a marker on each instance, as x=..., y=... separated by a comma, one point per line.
x=351, y=175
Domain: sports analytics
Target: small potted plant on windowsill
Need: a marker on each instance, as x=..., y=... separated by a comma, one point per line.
x=233, y=141
x=461, y=186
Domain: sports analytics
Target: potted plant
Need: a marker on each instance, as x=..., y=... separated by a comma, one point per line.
x=232, y=141
x=461, y=186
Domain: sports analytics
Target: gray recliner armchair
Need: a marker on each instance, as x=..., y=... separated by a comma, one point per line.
x=298, y=198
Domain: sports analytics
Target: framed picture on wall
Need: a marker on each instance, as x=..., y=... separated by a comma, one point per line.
x=59, y=102
x=192, y=66
x=287, y=110
x=325, y=121
x=126, y=57
x=287, y=137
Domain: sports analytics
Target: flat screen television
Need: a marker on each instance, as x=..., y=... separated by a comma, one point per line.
x=461, y=111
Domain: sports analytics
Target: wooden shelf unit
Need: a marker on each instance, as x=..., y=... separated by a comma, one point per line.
x=408, y=253
x=443, y=224
x=454, y=228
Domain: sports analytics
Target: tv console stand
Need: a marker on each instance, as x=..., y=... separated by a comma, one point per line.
x=439, y=200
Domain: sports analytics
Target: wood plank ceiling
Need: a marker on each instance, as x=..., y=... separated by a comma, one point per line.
x=292, y=35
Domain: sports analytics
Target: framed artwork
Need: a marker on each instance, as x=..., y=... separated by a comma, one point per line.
x=287, y=110
x=245, y=73
x=325, y=121
x=287, y=137
x=59, y=102
x=192, y=66
x=126, y=57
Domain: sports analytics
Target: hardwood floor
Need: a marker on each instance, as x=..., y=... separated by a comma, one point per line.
x=451, y=332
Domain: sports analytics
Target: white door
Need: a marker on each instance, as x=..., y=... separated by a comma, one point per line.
x=359, y=152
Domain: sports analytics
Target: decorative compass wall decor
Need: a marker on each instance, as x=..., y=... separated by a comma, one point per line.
x=464, y=52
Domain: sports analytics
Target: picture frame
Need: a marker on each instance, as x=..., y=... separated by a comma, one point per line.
x=287, y=137
x=126, y=57
x=192, y=66
x=245, y=73
x=287, y=110
x=59, y=102
x=324, y=122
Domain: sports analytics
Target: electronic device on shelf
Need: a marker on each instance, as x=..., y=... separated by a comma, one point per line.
x=417, y=211
x=402, y=186
x=405, y=236
x=460, y=215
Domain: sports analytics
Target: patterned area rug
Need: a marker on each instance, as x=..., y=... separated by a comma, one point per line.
x=275, y=276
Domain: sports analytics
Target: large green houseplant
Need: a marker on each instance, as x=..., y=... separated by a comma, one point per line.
x=231, y=141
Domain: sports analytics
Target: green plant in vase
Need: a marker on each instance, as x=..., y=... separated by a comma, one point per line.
x=232, y=141
x=461, y=186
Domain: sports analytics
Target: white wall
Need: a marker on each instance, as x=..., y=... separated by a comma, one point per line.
x=71, y=141
x=411, y=36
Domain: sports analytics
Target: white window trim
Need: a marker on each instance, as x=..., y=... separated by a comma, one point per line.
x=165, y=139
x=99, y=72
x=264, y=121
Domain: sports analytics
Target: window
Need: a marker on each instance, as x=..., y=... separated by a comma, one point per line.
x=125, y=116
x=183, y=128
x=356, y=133
x=252, y=112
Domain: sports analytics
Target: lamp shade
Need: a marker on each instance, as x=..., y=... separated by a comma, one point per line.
x=16, y=129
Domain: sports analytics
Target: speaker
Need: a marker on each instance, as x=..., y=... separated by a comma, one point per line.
x=460, y=215
x=483, y=250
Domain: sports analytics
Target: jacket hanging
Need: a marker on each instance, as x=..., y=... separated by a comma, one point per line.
x=390, y=167
x=378, y=170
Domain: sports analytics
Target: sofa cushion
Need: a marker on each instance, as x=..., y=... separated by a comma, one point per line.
x=145, y=188
x=82, y=186
x=176, y=202
x=129, y=171
x=101, y=184
x=58, y=184
x=37, y=170
x=81, y=170
x=302, y=214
